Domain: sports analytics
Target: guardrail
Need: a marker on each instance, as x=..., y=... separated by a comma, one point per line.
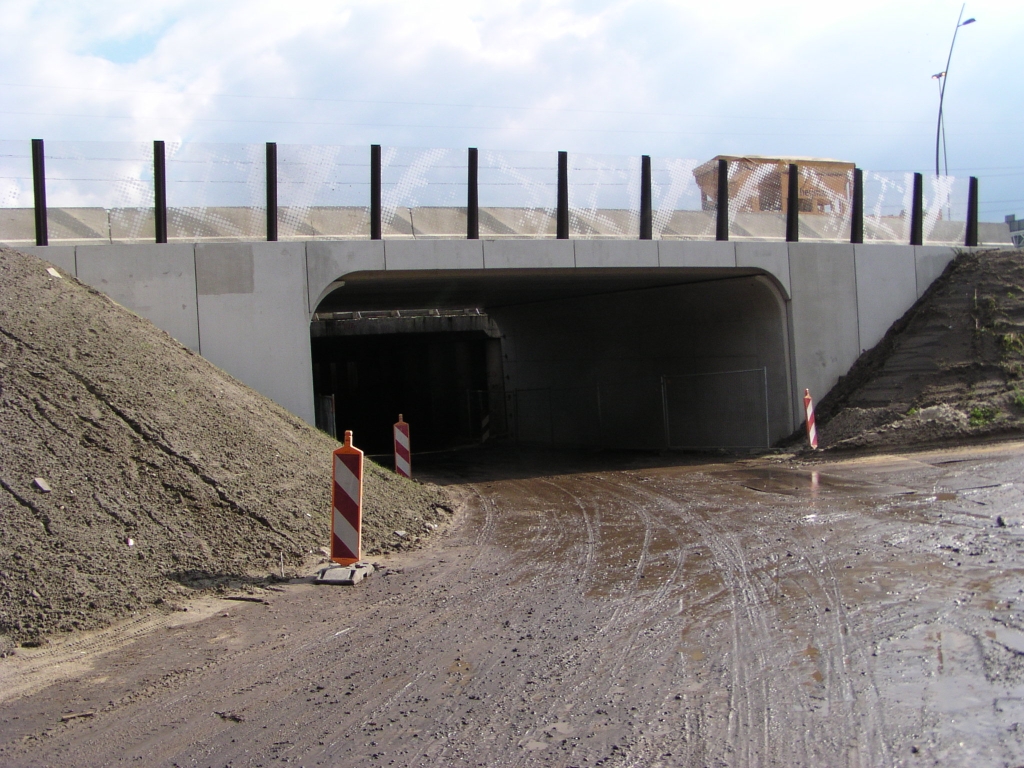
x=129, y=193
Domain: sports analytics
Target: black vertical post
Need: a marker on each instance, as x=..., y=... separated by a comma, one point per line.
x=562, y=217
x=971, y=238
x=473, y=197
x=39, y=189
x=917, y=212
x=722, y=230
x=271, y=191
x=793, y=205
x=646, y=213
x=160, y=191
x=375, y=191
x=857, y=214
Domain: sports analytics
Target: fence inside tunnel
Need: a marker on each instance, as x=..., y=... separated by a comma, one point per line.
x=723, y=409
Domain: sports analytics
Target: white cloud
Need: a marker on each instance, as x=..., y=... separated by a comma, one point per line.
x=627, y=76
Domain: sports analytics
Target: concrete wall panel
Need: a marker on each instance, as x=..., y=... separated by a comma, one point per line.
x=155, y=281
x=577, y=373
x=616, y=253
x=434, y=254
x=886, y=288
x=258, y=333
x=683, y=253
x=931, y=260
x=529, y=254
x=61, y=256
x=328, y=261
x=773, y=258
x=824, y=316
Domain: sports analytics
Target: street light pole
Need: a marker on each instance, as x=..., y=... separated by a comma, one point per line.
x=943, y=77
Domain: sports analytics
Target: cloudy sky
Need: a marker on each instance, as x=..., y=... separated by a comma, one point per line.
x=849, y=80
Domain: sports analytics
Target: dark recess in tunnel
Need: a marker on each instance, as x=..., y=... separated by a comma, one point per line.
x=638, y=358
x=437, y=381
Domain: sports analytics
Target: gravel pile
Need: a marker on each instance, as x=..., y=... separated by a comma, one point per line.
x=134, y=473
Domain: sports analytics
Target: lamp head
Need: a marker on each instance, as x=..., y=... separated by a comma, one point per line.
x=967, y=21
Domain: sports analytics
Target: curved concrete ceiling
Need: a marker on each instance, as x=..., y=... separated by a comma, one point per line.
x=428, y=289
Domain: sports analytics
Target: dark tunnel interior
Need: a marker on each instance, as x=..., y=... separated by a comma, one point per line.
x=437, y=381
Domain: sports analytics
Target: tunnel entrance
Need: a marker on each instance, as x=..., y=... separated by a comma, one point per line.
x=640, y=358
x=440, y=370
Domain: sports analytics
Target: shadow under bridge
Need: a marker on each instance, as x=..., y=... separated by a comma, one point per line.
x=607, y=357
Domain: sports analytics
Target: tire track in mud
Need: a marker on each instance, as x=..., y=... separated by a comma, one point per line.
x=755, y=734
x=532, y=641
x=539, y=541
x=623, y=628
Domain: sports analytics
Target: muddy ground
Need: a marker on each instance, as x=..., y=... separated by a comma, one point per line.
x=950, y=370
x=617, y=610
x=134, y=473
x=632, y=612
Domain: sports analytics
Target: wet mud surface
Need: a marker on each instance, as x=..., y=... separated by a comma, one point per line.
x=641, y=612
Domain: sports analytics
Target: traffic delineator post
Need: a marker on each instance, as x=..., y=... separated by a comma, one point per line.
x=403, y=451
x=347, y=503
x=812, y=433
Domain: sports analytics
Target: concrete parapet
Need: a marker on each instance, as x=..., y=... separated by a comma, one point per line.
x=349, y=223
x=155, y=281
x=216, y=224
x=132, y=225
x=438, y=222
x=397, y=222
x=517, y=222
x=758, y=226
x=670, y=225
x=88, y=225
x=71, y=226
x=604, y=223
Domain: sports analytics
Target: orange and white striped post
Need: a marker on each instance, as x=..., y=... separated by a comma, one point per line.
x=812, y=433
x=403, y=451
x=347, y=504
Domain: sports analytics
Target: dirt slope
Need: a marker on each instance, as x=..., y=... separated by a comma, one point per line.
x=951, y=369
x=166, y=474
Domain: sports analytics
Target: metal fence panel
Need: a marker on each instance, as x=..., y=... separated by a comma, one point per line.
x=728, y=409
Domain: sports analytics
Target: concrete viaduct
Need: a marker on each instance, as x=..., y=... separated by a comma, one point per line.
x=736, y=329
